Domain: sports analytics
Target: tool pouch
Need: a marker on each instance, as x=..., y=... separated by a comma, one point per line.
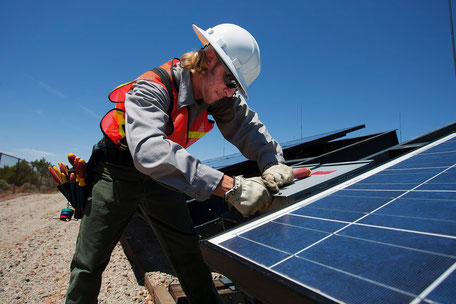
x=77, y=195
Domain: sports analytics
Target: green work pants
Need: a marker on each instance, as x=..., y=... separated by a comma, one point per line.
x=116, y=193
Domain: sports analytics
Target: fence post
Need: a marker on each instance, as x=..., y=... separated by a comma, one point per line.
x=39, y=184
x=15, y=176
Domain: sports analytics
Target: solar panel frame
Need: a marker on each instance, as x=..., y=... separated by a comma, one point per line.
x=323, y=176
x=307, y=290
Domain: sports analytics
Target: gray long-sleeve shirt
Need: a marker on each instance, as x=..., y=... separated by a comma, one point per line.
x=169, y=163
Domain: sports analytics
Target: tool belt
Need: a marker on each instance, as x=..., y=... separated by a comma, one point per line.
x=106, y=151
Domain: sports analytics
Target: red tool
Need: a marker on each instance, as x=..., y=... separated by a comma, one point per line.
x=59, y=174
x=302, y=172
x=71, y=158
x=63, y=168
x=54, y=175
x=80, y=168
x=323, y=172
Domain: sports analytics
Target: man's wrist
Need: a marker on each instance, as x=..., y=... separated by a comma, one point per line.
x=269, y=165
x=225, y=185
x=236, y=185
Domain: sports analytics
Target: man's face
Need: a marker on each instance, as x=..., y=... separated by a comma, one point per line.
x=214, y=87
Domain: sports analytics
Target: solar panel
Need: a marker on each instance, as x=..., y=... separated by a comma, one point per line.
x=385, y=236
x=235, y=158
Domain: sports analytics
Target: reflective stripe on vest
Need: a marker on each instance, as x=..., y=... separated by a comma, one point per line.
x=177, y=129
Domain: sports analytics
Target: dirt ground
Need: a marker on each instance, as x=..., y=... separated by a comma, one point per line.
x=35, y=253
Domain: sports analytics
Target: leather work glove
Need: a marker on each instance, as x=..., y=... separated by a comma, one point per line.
x=277, y=176
x=248, y=195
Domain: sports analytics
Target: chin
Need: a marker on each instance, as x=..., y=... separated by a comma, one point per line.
x=210, y=101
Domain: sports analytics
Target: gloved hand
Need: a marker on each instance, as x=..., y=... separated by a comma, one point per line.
x=277, y=176
x=248, y=195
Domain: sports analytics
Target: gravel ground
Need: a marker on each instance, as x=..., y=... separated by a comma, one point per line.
x=35, y=253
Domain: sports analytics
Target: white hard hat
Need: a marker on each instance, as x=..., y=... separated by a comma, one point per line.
x=238, y=50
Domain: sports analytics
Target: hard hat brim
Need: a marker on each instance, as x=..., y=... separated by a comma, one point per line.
x=207, y=39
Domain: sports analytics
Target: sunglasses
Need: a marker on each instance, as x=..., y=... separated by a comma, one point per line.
x=229, y=80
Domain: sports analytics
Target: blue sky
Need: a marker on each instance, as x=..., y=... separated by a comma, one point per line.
x=387, y=64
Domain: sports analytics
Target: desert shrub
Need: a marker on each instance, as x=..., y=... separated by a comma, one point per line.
x=25, y=186
x=4, y=185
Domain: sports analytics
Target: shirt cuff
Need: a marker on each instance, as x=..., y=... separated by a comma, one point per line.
x=265, y=162
x=204, y=183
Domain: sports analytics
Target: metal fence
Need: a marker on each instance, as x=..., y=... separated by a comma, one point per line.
x=20, y=176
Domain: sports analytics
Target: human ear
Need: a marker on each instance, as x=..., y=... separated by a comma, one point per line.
x=211, y=58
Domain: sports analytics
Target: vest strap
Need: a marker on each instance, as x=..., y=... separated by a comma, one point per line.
x=167, y=82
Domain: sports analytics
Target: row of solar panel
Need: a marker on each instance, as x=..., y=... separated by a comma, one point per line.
x=388, y=238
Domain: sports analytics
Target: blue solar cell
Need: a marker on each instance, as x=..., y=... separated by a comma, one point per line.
x=437, y=244
x=446, y=177
x=405, y=269
x=287, y=238
x=392, y=170
x=445, y=292
x=259, y=253
x=353, y=192
x=309, y=223
x=408, y=223
x=340, y=215
x=342, y=286
x=402, y=176
x=372, y=186
x=447, y=146
x=421, y=208
x=441, y=186
x=444, y=181
x=350, y=203
x=399, y=180
x=431, y=195
x=444, y=159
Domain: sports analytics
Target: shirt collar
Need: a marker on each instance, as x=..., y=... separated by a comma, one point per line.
x=185, y=89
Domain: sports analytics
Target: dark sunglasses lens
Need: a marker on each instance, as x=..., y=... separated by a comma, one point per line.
x=230, y=82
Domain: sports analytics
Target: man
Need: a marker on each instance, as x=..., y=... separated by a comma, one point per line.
x=142, y=159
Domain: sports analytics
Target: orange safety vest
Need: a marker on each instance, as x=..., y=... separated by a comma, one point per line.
x=177, y=129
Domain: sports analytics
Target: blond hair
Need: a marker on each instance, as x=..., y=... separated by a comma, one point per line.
x=195, y=61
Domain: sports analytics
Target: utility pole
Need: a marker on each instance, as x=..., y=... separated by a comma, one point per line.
x=452, y=35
